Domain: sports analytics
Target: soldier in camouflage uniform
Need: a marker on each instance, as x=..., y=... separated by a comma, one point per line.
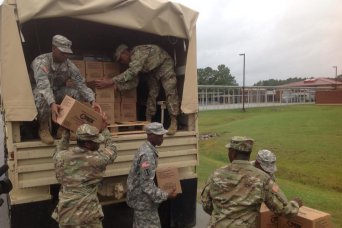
x=79, y=170
x=51, y=72
x=159, y=65
x=142, y=193
x=266, y=161
x=234, y=193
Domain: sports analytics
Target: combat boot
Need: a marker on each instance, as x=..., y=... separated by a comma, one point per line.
x=44, y=132
x=173, y=126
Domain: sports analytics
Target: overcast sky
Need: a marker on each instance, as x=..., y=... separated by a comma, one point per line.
x=280, y=38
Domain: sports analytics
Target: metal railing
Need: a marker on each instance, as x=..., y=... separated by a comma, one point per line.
x=230, y=97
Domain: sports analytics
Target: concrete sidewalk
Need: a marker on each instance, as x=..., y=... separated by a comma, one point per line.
x=202, y=218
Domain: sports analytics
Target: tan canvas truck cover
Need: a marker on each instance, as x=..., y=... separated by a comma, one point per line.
x=157, y=17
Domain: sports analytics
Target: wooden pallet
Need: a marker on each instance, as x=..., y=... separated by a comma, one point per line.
x=126, y=128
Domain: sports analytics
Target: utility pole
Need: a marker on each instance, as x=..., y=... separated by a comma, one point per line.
x=243, y=82
x=335, y=76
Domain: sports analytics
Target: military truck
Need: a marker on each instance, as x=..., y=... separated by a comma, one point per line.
x=26, y=29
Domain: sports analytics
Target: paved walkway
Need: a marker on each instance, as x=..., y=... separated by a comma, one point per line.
x=202, y=218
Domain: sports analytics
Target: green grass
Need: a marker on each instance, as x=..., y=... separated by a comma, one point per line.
x=306, y=139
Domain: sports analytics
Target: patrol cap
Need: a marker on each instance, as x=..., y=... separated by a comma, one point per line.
x=241, y=143
x=62, y=43
x=86, y=132
x=267, y=161
x=119, y=50
x=155, y=128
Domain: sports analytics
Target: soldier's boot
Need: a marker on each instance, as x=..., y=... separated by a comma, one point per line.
x=60, y=133
x=173, y=126
x=148, y=118
x=44, y=132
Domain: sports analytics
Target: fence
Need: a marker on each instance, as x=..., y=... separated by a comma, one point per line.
x=232, y=97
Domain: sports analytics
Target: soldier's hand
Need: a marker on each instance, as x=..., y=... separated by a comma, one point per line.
x=55, y=111
x=172, y=194
x=96, y=107
x=103, y=83
x=299, y=201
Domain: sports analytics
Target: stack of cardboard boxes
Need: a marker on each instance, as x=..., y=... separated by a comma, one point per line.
x=119, y=106
x=128, y=105
x=306, y=218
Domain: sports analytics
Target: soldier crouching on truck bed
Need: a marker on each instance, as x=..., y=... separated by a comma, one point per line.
x=159, y=66
x=51, y=71
x=80, y=170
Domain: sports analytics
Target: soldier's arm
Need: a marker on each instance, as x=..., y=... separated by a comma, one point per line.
x=65, y=140
x=63, y=143
x=136, y=64
x=128, y=85
x=277, y=202
x=147, y=175
x=109, y=153
x=42, y=81
x=206, y=199
x=80, y=84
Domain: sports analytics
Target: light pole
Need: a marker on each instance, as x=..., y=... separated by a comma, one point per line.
x=335, y=76
x=243, y=83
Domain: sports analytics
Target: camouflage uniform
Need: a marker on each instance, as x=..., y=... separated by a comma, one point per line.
x=51, y=87
x=79, y=171
x=155, y=61
x=142, y=193
x=234, y=193
x=267, y=161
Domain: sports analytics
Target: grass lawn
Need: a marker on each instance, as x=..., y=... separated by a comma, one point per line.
x=307, y=140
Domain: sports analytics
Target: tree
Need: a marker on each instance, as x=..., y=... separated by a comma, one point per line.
x=221, y=76
x=278, y=82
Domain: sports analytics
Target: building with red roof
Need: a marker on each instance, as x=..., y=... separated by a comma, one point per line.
x=316, y=82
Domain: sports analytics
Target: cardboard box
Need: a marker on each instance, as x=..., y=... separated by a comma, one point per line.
x=80, y=65
x=168, y=178
x=117, y=95
x=105, y=95
x=128, y=112
x=74, y=114
x=117, y=112
x=109, y=109
x=266, y=218
x=111, y=69
x=94, y=70
x=307, y=218
x=129, y=96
